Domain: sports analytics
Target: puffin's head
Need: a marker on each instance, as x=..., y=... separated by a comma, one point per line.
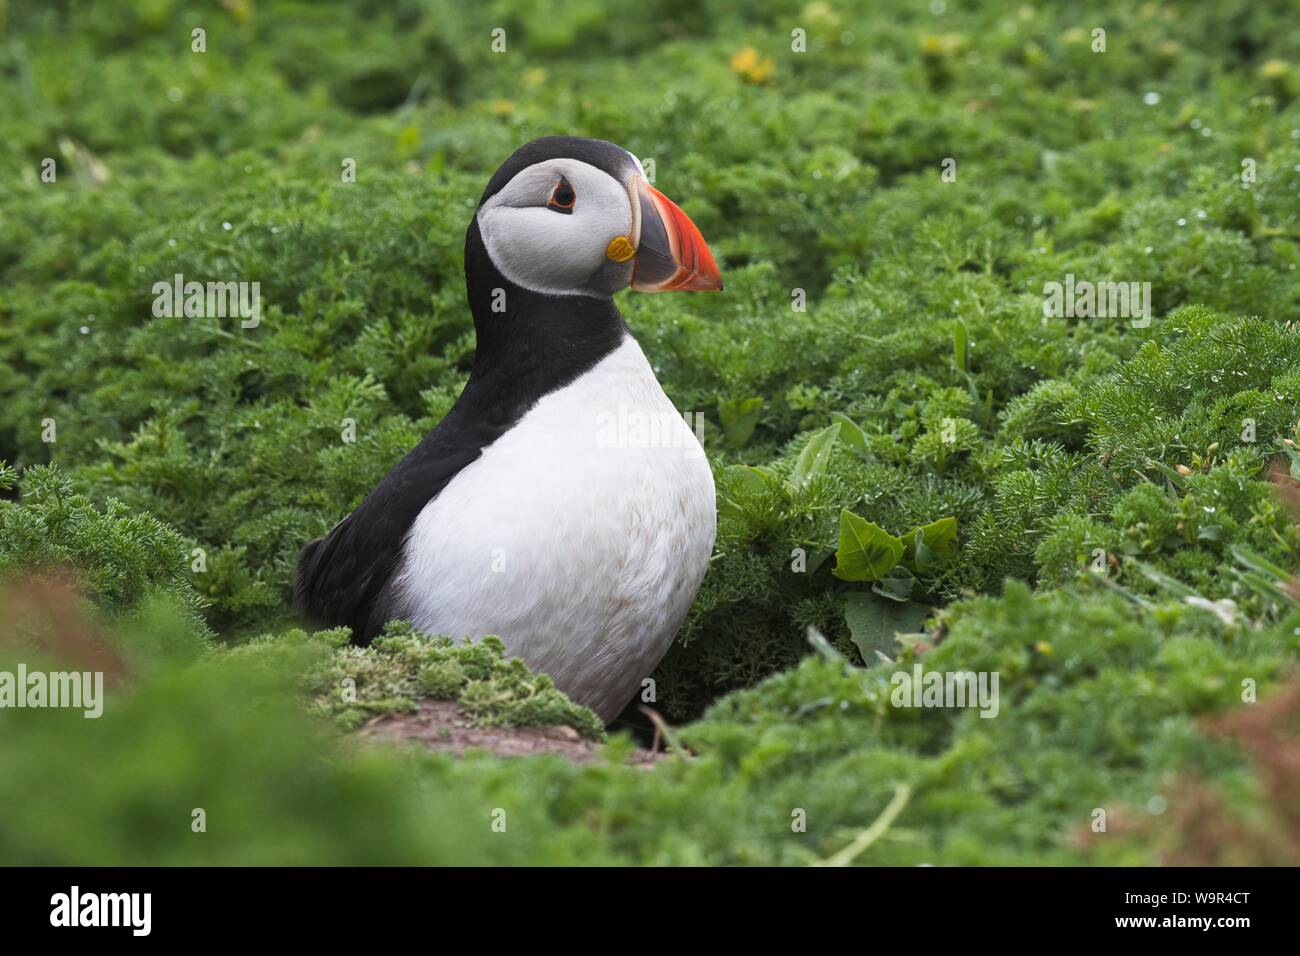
x=571, y=216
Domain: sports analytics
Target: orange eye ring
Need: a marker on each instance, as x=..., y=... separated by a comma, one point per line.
x=563, y=197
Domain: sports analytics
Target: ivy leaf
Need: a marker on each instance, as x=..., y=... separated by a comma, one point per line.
x=929, y=545
x=815, y=457
x=874, y=621
x=739, y=418
x=867, y=552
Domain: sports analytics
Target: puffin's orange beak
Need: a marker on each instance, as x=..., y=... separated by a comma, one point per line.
x=671, y=255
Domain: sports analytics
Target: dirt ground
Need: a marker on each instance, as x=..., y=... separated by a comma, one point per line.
x=441, y=725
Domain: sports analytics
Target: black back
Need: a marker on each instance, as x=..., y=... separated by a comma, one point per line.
x=538, y=344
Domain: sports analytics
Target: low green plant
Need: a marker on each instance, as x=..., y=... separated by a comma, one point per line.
x=916, y=462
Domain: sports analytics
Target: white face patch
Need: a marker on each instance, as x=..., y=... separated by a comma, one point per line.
x=553, y=252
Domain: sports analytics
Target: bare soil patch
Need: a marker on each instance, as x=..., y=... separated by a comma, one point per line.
x=442, y=726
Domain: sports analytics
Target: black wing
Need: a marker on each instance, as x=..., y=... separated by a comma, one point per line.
x=342, y=578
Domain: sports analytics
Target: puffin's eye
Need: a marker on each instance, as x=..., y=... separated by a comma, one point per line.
x=563, y=198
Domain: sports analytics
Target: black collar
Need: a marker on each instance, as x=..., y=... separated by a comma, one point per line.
x=537, y=344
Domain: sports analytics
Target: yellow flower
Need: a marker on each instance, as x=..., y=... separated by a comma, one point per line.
x=934, y=47
x=751, y=66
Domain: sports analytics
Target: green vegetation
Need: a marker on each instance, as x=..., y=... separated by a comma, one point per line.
x=914, y=463
x=403, y=665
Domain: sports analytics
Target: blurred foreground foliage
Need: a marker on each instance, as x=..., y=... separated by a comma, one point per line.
x=880, y=360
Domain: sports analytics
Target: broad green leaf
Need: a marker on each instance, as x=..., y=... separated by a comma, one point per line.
x=930, y=544
x=854, y=438
x=874, y=621
x=898, y=585
x=739, y=418
x=748, y=477
x=866, y=552
x=815, y=457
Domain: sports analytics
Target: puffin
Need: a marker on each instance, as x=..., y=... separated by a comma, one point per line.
x=533, y=511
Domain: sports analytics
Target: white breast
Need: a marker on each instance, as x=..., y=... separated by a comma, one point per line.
x=579, y=537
